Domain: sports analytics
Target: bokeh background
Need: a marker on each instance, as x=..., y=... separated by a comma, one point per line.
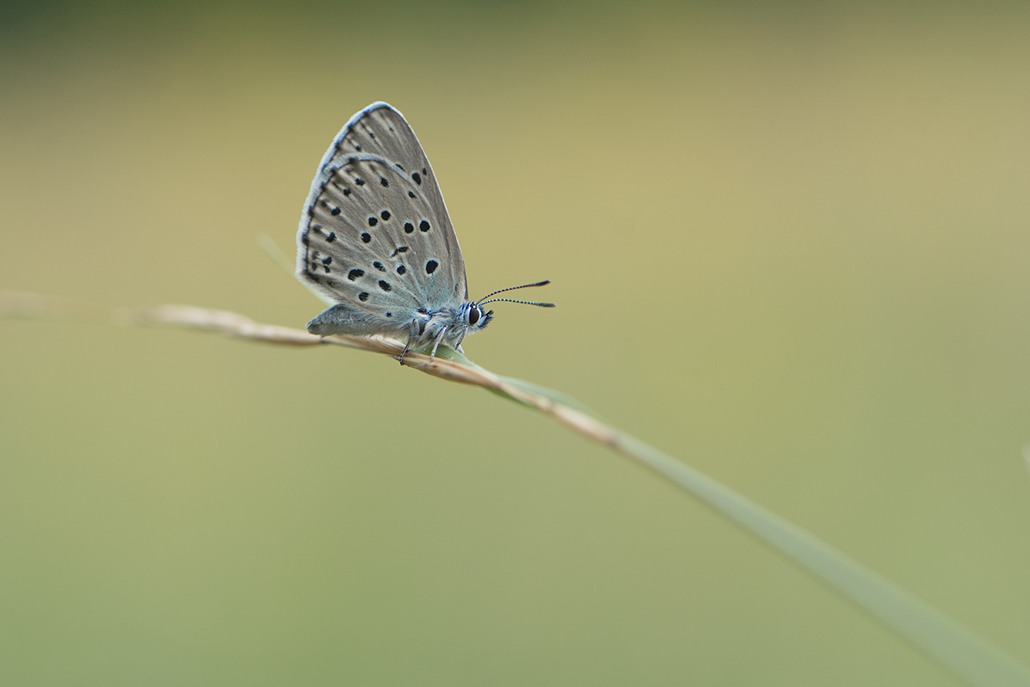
x=790, y=244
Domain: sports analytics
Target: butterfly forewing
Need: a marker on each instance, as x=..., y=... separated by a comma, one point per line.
x=378, y=147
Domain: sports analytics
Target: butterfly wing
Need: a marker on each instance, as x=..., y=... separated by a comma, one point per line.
x=372, y=243
x=375, y=236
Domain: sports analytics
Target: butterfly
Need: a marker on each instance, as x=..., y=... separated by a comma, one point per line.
x=375, y=239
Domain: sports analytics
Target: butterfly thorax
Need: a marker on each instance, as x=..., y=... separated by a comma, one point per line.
x=446, y=325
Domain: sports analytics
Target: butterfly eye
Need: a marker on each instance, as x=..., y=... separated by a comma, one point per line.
x=473, y=315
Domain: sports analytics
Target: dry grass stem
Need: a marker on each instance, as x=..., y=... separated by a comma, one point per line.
x=34, y=306
x=946, y=641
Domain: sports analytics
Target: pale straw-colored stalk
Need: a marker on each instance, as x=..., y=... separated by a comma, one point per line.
x=943, y=639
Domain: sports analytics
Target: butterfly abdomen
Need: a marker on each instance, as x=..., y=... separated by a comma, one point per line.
x=343, y=319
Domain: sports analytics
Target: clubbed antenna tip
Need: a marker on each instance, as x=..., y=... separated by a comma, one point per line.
x=486, y=299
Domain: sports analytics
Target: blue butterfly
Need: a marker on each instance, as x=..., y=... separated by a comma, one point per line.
x=376, y=239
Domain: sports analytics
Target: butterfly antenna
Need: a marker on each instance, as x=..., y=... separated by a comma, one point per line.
x=484, y=301
x=509, y=300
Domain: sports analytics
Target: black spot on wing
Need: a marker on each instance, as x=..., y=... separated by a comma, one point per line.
x=431, y=266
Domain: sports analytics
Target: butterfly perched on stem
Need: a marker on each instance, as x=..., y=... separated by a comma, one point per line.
x=375, y=239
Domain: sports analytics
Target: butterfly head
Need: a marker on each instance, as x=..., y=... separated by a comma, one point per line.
x=475, y=317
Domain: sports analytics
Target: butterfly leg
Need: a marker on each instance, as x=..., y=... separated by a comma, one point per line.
x=436, y=344
x=457, y=344
x=407, y=347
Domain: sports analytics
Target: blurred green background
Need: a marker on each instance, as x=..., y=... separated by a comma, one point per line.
x=790, y=245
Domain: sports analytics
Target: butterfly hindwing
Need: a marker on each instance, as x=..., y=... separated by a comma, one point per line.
x=365, y=233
